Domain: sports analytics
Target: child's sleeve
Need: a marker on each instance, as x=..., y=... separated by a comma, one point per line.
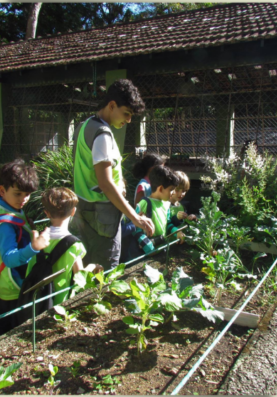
x=170, y=228
x=10, y=254
x=143, y=241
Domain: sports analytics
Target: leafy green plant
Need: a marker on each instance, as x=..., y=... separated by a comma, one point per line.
x=6, y=375
x=63, y=316
x=223, y=270
x=148, y=300
x=248, y=183
x=238, y=234
x=209, y=228
x=191, y=297
x=75, y=369
x=55, y=169
x=107, y=383
x=101, y=285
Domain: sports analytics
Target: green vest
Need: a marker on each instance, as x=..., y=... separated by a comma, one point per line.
x=85, y=181
x=66, y=262
x=159, y=214
x=9, y=289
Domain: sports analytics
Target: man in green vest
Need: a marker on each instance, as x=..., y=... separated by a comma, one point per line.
x=98, y=180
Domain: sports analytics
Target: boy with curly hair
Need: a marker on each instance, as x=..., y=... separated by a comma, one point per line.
x=98, y=180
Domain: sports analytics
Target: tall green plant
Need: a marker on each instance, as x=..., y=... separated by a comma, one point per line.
x=55, y=169
x=209, y=228
x=249, y=184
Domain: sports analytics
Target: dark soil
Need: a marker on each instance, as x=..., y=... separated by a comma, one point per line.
x=101, y=346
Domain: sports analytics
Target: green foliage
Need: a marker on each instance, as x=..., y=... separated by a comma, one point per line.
x=63, y=316
x=75, y=369
x=209, y=228
x=248, y=183
x=223, y=270
x=101, y=284
x=238, y=234
x=62, y=17
x=107, y=383
x=6, y=375
x=55, y=169
x=147, y=301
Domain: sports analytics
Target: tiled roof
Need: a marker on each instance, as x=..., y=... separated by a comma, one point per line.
x=222, y=24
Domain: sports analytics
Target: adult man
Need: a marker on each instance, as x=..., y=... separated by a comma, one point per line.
x=98, y=176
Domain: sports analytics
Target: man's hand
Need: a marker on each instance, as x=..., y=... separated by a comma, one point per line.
x=146, y=224
x=42, y=240
x=181, y=236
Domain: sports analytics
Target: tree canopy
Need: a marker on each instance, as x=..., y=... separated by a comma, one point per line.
x=63, y=17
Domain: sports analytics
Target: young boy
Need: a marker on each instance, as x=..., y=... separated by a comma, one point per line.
x=98, y=176
x=163, y=181
x=177, y=211
x=18, y=243
x=59, y=206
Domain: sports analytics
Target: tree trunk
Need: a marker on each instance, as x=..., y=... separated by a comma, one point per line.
x=32, y=20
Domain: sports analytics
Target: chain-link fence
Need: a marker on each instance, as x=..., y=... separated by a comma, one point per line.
x=188, y=114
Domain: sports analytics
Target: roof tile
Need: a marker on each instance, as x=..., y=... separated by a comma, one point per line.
x=227, y=23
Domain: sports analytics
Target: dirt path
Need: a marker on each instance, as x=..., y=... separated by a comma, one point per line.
x=255, y=371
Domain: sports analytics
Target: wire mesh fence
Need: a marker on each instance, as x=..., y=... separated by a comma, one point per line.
x=188, y=114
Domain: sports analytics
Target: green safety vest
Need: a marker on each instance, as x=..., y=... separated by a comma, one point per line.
x=9, y=289
x=85, y=181
x=66, y=262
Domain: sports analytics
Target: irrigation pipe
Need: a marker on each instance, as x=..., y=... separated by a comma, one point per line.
x=68, y=288
x=217, y=339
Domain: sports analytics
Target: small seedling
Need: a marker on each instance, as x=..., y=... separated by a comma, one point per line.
x=53, y=371
x=63, y=316
x=101, y=284
x=107, y=383
x=5, y=375
x=75, y=369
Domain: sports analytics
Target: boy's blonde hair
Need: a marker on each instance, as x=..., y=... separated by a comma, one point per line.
x=184, y=183
x=59, y=201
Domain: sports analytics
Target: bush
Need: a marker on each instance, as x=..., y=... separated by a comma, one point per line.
x=248, y=183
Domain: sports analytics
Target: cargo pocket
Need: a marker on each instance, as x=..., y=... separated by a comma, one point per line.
x=104, y=219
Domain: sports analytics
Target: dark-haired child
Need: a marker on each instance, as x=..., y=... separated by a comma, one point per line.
x=163, y=182
x=142, y=170
x=18, y=243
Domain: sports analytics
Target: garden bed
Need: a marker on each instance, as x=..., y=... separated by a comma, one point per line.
x=99, y=345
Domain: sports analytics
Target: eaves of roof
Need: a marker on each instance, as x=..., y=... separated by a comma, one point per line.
x=219, y=25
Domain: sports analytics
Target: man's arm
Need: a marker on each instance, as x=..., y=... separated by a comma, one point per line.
x=103, y=171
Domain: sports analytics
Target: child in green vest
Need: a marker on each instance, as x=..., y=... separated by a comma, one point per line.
x=163, y=182
x=177, y=211
x=18, y=243
x=59, y=206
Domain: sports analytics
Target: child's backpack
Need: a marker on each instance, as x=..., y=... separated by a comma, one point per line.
x=149, y=207
x=41, y=270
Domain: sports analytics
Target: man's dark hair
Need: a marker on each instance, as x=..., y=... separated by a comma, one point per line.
x=19, y=173
x=162, y=176
x=142, y=166
x=124, y=93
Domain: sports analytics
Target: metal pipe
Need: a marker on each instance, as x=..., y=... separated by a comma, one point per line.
x=217, y=339
x=68, y=288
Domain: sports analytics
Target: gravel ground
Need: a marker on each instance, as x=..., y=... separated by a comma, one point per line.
x=255, y=372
